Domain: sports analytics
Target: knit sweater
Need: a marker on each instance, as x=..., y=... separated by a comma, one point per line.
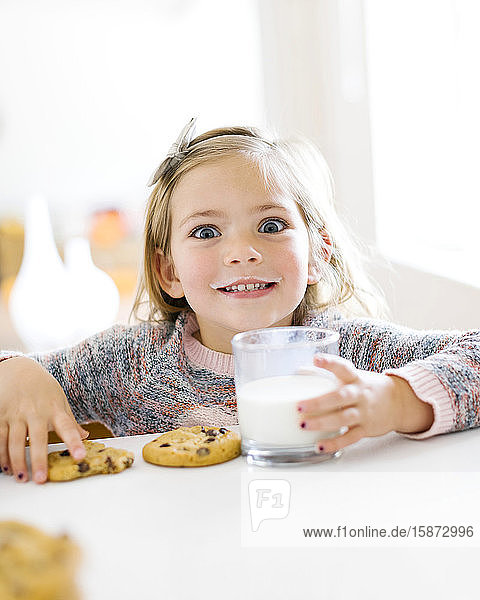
x=153, y=377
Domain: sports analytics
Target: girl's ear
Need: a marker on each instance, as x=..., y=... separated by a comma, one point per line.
x=327, y=246
x=314, y=272
x=167, y=278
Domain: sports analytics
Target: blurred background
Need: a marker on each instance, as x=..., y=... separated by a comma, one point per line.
x=93, y=94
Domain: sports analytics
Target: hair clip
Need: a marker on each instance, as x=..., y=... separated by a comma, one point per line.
x=177, y=151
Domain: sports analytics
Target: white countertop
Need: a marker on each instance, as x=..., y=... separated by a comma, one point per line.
x=174, y=533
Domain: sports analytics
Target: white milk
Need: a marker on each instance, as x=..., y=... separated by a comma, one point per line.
x=267, y=408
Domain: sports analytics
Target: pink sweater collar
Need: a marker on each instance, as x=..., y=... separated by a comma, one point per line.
x=201, y=355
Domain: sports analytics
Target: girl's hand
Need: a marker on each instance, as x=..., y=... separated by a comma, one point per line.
x=369, y=404
x=33, y=403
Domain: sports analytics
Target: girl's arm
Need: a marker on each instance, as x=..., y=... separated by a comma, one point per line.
x=53, y=391
x=84, y=371
x=391, y=378
x=441, y=368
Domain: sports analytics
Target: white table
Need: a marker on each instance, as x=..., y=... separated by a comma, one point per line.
x=156, y=532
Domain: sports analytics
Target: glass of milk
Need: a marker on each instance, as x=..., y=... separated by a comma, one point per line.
x=274, y=370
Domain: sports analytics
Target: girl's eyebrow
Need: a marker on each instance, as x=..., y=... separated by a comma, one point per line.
x=222, y=214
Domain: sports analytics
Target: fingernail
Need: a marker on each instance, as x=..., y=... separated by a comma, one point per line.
x=40, y=476
x=5, y=469
x=303, y=424
x=299, y=408
x=321, y=448
x=78, y=454
x=20, y=476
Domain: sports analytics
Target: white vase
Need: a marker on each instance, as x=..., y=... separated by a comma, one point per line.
x=39, y=302
x=95, y=297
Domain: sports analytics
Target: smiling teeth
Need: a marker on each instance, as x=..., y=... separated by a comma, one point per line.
x=249, y=286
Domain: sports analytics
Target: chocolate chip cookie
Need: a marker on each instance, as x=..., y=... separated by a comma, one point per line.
x=99, y=460
x=193, y=447
x=35, y=565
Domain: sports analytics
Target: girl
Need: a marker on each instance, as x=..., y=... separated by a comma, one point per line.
x=240, y=234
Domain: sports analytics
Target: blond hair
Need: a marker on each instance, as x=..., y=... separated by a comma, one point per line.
x=293, y=166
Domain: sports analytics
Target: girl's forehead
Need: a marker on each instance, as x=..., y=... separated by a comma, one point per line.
x=233, y=181
x=231, y=171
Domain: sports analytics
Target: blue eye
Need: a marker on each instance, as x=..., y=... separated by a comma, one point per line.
x=272, y=227
x=205, y=232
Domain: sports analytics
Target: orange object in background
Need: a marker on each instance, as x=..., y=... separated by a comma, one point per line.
x=11, y=253
x=108, y=227
x=114, y=249
x=125, y=279
x=11, y=247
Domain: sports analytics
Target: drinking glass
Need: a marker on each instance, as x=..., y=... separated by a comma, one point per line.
x=274, y=370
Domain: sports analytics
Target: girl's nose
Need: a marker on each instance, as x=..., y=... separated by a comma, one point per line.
x=242, y=254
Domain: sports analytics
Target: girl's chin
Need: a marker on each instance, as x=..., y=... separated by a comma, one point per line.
x=257, y=322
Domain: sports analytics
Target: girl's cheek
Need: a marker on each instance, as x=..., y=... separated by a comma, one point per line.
x=295, y=260
x=198, y=273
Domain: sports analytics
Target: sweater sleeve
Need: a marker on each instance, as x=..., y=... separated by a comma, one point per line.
x=442, y=367
x=98, y=374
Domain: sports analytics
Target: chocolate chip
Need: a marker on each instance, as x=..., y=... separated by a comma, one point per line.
x=210, y=439
x=65, y=453
x=211, y=432
x=164, y=445
x=83, y=467
x=102, y=450
x=203, y=451
x=203, y=430
x=223, y=430
x=109, y=463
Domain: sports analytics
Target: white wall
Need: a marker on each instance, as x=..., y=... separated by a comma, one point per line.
x=427, y=301
x=93, y=93
x=317, y=86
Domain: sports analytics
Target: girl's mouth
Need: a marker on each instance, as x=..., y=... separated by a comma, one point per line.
x=249, y=290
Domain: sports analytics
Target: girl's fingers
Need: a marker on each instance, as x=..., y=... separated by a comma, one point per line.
x=348, y=417
x=16, y=450
x=4, y=466
x=354, y=434
x=67, y=430
x=38, y=435
x=331, y=401
x=83, y=432
x=342, y=368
